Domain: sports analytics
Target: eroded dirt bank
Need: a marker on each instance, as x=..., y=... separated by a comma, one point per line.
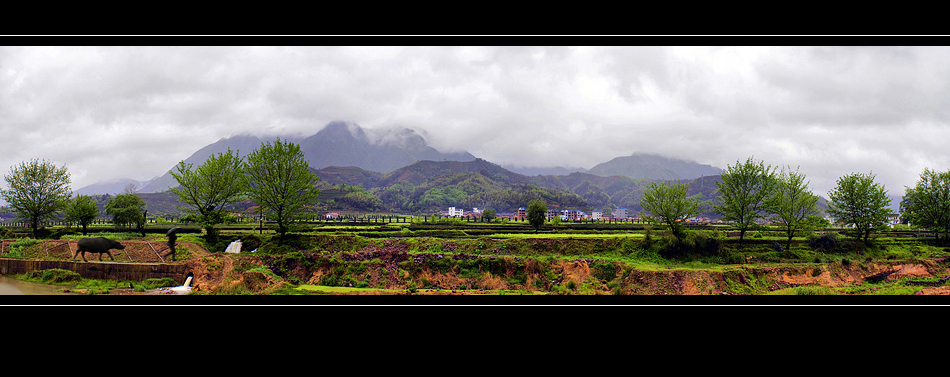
x=391, y=266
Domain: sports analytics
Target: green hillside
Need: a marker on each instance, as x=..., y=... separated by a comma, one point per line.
x=426, y=187
x=650, y=166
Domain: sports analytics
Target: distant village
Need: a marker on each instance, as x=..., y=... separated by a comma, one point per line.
x=620, y=215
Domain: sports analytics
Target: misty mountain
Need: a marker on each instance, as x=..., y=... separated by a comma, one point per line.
x=346, y=144
x=431, y=186
x=337, y=144
x=650, y=166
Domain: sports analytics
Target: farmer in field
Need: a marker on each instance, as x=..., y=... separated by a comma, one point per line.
x=171, y=241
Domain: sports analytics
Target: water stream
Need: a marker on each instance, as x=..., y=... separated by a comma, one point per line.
x=11, y=286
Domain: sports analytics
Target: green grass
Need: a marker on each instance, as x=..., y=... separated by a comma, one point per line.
x=125, y=236
x=332, y=289
x=71, y=281
x=565, y=235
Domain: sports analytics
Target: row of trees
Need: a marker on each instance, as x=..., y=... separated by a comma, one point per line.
x=39, y=191
x=753, y=191
x=276, y=176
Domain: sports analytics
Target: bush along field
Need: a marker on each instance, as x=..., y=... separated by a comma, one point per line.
x=459, y=258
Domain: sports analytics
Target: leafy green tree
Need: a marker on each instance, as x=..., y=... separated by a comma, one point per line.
x=488, y=215
x=127, y=209
x=859, y=201
x=209, y=188
x=742, y=193
x=792, y=204
x=82, y=209
x=669, y=205
x=537, y=212
x=927, y=205
x=38, y=190
x=280, y=181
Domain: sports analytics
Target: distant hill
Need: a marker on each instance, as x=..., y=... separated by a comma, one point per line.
x=347, y=175
x=650, y=166
x=422, y=171
x=534, y=171
x=337, y=144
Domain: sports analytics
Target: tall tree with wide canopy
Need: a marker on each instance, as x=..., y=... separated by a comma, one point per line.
x=742, y=193
x=209, y=188
x=927, y=204
x=127, y=209
x=281, y=183
x=669, y=205
x=792, y=204
x=83, y=209
x=38, y=190
x=537, y=213
x=859, y=201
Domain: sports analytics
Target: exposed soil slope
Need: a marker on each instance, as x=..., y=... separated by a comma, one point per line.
x=390, y=265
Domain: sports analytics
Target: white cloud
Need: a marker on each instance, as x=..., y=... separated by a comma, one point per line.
x=112, y=112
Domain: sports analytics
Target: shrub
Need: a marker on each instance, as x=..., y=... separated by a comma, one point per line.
x=59, y=233
x=153, y=283
x=604, y=271
x=54, y=276
x=700, y=243
x=18, y=246
x=250, y=242
x=828, y=241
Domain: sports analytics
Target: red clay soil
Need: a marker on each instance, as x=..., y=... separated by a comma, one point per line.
x=209, y=269
x=216, y=271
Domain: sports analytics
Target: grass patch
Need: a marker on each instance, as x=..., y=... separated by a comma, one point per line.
x=334, y=289
x=566, y=235
x=72, y=281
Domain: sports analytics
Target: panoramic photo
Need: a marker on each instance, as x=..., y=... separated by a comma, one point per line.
x=314, y=173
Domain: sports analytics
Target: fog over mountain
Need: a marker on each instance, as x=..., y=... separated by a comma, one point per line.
x=337, y=144
x=652, y=166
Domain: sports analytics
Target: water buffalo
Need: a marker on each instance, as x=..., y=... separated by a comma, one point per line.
x=100, y=245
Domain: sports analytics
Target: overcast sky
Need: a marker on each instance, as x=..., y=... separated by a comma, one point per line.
x=134, y=112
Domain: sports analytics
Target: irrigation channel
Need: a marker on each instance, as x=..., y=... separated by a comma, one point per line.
x=11, y=286
x=14, y=287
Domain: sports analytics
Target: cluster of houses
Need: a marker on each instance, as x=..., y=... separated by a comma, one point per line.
x=620, y=214
x=564, y=214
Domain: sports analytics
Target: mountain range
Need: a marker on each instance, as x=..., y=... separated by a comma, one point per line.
x=346, y=144
x=396, y=169
x=337, y=144
x=650, y=166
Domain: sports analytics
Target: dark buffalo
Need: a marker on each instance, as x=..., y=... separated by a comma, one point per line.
x=100, y=245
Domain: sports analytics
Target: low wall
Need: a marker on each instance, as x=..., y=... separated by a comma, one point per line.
x=98, y=270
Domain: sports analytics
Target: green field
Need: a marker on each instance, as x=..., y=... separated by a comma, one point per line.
x=455, y=257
